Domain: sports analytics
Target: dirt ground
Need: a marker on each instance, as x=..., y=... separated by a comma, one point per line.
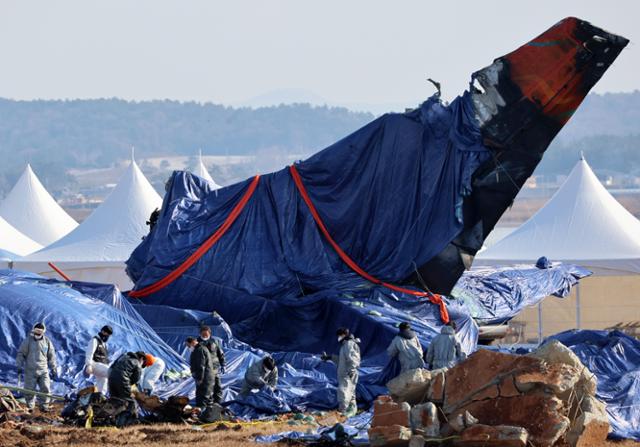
x=223, y=434
x=38, y=430
x=46, y=429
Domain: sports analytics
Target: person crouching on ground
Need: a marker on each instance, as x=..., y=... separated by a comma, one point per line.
x=151, y=373
x=262, y=373
x=124, y=373
x=347, y=362
x=36, y=357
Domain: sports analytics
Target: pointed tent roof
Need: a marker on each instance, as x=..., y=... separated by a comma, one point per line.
x=114, y=229
x=32, y=210
x=14, y=244
x=201, y=171
x=582, y=224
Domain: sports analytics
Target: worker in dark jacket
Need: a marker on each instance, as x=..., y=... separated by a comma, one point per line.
x=202, y=372
x=124, y=373
x=217, y=360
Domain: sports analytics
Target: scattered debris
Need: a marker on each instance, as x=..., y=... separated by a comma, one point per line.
x=545, y=399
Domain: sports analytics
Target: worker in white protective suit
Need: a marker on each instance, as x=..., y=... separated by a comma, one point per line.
x=97, y=358
x=36, y=356
x=347, y=362
x=407, y=348
x=444, y=350
x=151, y=373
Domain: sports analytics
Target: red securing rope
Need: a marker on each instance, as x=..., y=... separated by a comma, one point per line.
x=196, y=255
x=434, y=298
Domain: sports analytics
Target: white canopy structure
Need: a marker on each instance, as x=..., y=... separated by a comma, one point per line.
x=31, y=210
x=581, y=224
x=97, y=249
x=13, y=243
x=201, y=171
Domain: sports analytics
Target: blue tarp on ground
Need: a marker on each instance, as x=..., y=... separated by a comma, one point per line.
x=305, y=381
x=379, y=191
x=495, y=295
x=72, y=318
x=614, y=358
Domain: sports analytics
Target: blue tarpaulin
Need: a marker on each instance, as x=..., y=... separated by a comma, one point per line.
x=72, y=318
x=495, y=295
x=379, y=191
x=614, y=358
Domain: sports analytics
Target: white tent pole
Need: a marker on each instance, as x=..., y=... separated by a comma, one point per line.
x=578, y=306
x=540, y=322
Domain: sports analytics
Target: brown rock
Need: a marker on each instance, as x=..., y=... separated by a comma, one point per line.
x=411, y=386
x=557, y=377
x=461, y=421
x=497, y=436
x=555, y=352
x=592, y=426
x=424, y=419
x=437, y=385
x=395, y=435
x=508, y=387
x=541, y=415
x=487, y=393
x=387, y=413
x=481, y=370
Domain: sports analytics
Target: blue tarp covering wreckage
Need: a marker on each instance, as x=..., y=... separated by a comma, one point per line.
x=72, y=318
x=614, y=358
x=306, y=382
x=495, y=295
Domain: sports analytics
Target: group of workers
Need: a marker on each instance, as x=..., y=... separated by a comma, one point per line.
x=37, y=361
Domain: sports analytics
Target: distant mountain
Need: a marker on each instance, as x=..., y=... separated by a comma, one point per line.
x=55, y=136
x=302, y=96
x=608, y=114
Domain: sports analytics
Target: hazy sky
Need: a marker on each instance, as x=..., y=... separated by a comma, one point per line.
x=372, y=52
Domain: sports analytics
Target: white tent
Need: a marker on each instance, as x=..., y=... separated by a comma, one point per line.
x=14, y=244
x=581, y=224
x=97, y=249
x=32, y=211
x=201, y=171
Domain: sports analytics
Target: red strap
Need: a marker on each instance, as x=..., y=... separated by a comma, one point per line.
x=195, y=256
x=434, y=298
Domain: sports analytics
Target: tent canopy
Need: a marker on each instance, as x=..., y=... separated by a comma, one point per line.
x=32, y=210
x=13, y=243
x=581, y=224
x=96, y=249
x=201, y=171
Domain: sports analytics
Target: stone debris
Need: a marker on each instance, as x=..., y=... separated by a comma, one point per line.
x=411, y=386
x=386, y=412
x=393, y=435
x=493, y=436
x=424, y=420
x=544, y=399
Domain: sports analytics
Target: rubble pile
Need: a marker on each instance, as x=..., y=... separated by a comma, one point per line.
x=546, y=398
